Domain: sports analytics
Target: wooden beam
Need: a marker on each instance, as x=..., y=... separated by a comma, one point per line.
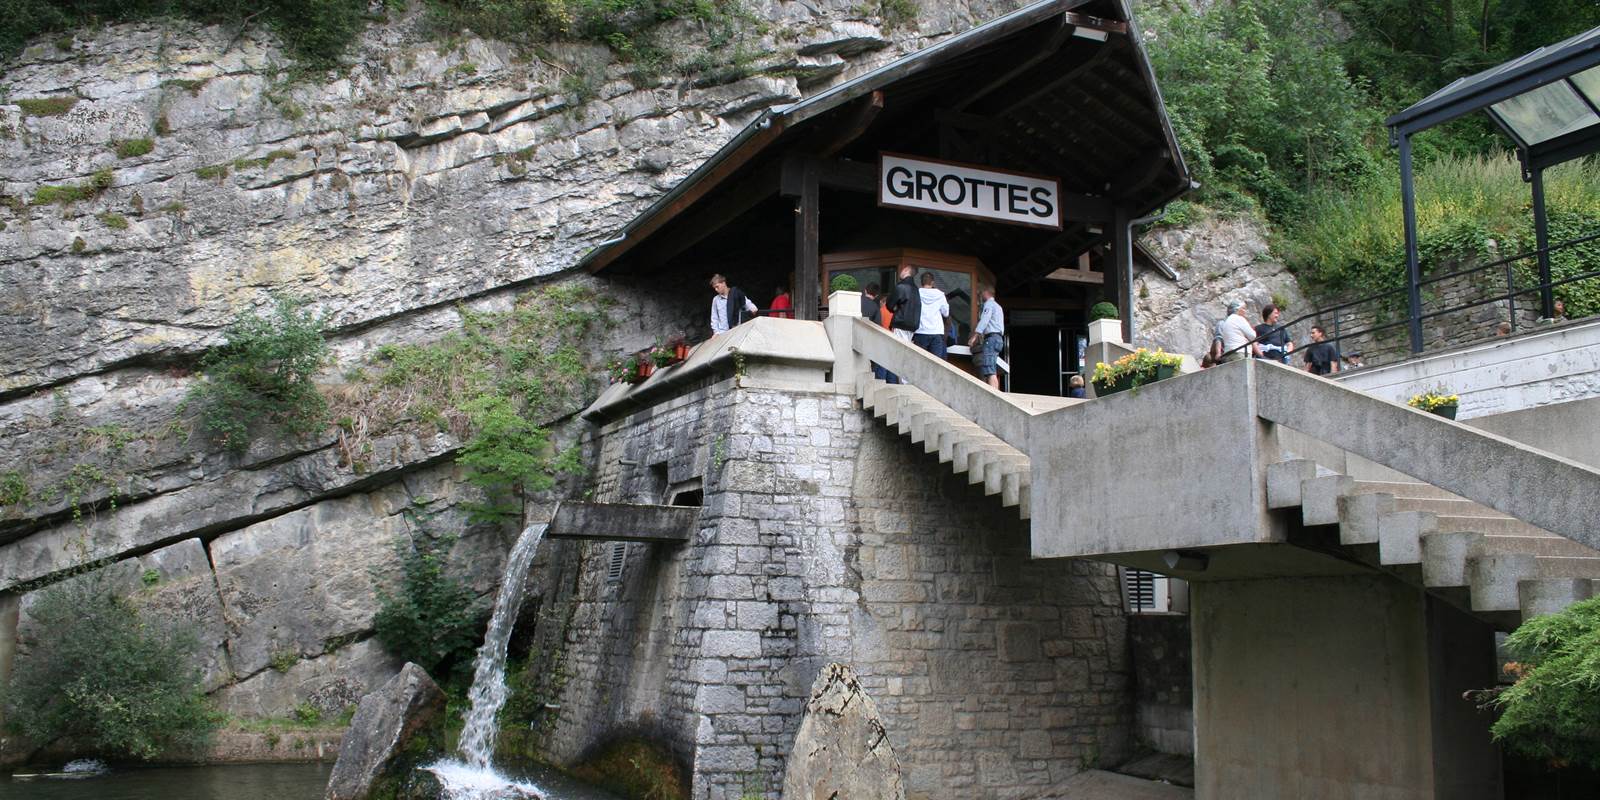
x=722, y=171
x=1043, y=45
x=1077, y=276
x=1097, y=23
x=861, y=117
x=807, y=261
x=1140, y=175
x=1002, y=102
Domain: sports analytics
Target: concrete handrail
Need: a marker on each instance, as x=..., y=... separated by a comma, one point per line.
x=991, y=410
x=1554, y=493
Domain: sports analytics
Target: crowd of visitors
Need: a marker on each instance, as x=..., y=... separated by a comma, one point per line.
x=1234, y=338
x=918, y=315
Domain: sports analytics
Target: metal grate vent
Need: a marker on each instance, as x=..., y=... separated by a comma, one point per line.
x=1146, y=591
x=618, y=557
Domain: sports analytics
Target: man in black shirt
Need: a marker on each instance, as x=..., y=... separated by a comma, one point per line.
x=1322, y=358
x=1274, y=340
x=872, y=311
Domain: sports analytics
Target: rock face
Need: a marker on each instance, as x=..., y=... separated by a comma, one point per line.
x=842, y=749
x=420, y=182
x=381, y=730
x=1217, y=259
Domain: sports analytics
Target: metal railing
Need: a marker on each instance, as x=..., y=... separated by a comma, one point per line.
x=1377, y=299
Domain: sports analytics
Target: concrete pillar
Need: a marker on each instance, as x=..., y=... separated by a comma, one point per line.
x=1336, y=687
x=844, y=308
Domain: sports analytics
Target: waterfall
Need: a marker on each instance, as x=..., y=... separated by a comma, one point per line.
x=476, y=778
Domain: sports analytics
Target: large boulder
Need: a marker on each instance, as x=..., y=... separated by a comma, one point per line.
x=842, y=749
x=382, y=732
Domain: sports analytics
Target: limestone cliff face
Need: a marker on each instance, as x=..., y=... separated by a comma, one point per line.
x=420, y=178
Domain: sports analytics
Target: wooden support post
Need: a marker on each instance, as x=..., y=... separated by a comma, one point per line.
x=807, y=261
x=1122, y=261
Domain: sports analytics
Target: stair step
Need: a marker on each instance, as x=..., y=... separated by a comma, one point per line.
x=1494, y=577
x=1542, y=597
x=1284, y=480
x=1497, y=525
x=1446, y=508
x=1423, y=491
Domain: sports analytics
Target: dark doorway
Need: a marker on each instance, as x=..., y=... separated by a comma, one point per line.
x=1044, y=353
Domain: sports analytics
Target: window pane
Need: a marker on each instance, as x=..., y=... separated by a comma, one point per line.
x=1546, y=112
x=1588, y=82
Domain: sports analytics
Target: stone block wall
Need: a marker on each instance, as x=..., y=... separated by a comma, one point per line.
x=825, y=537
x=1164, y=681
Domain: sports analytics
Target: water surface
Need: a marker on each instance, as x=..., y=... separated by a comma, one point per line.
x=241, y=782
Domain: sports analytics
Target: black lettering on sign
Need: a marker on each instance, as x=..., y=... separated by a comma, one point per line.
x=925, y=183
x=898, y=180
x=944, y=190
x=997, y=186
x=974, y=183
x=1042, y=207
x=1015, y=195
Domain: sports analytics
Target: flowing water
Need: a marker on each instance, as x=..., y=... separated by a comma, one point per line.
x=473, y=778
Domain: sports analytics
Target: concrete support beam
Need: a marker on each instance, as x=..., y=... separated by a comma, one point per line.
x=623, y=522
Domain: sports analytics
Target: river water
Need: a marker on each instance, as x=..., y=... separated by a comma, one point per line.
x=242, y=782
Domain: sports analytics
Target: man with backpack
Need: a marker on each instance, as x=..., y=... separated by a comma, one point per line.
x=906, y=306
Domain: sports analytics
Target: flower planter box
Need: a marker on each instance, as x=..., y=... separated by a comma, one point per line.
x=1448, y=412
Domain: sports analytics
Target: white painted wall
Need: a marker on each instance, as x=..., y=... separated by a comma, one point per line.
x=1549, y=365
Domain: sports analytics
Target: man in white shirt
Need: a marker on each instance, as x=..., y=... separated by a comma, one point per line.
x=935, y=312
x=728, y=296
x=1236, y=331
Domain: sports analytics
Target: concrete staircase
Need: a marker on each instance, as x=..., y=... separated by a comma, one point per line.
x=1498, y=567
x=1003, y=470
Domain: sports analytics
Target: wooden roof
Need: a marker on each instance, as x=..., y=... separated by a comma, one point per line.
x=1029, y=91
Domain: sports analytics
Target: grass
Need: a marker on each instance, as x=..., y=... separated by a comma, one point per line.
x=132, y=148
x=212, y=172
x=1353, y=241
x=46, y=106
x=262, y=162
x=100, y=181
x=113, y=220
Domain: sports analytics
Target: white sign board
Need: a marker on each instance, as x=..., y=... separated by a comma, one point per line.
x=968, y=191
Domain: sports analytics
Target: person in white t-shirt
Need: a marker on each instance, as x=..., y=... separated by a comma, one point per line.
x=1236, y=332
x=935, y=315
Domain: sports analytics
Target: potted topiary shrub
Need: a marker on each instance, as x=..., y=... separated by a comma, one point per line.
x=1438, y=400
x=844, y=283
x=1102, y=310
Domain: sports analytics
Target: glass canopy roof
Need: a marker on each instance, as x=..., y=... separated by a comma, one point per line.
x=1550, y=93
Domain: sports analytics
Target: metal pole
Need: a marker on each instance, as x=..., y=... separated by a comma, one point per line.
x=1511, y=294
x=1541, y=239
x=1408, y=203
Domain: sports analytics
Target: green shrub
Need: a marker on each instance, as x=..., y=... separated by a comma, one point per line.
x=103, y=677
x=113, y=220
x=1550, y=712
x=431, y=619
x=131, y=148
x=307, y=714
x=844, y=283
x=263, y=374
x=14, y=488
x=212, y=172
x=1103, y=310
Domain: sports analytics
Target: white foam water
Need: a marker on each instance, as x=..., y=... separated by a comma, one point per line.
x=466, y=782
x=473, y=778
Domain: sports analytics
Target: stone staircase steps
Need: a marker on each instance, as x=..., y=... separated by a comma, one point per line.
x=1500, y=567
x=1001, y=469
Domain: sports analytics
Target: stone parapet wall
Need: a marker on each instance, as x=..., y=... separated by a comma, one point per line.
x=826, y=537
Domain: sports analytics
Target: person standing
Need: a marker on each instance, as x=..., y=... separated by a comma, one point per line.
x=1238, y=334
x=1322, y=358
x=872, y=311
x=1075, y=388
x=992, y=327
x=935, y=310
x=906, y=306
x=782, y=304
x=730, y=307
x=1272, y=338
